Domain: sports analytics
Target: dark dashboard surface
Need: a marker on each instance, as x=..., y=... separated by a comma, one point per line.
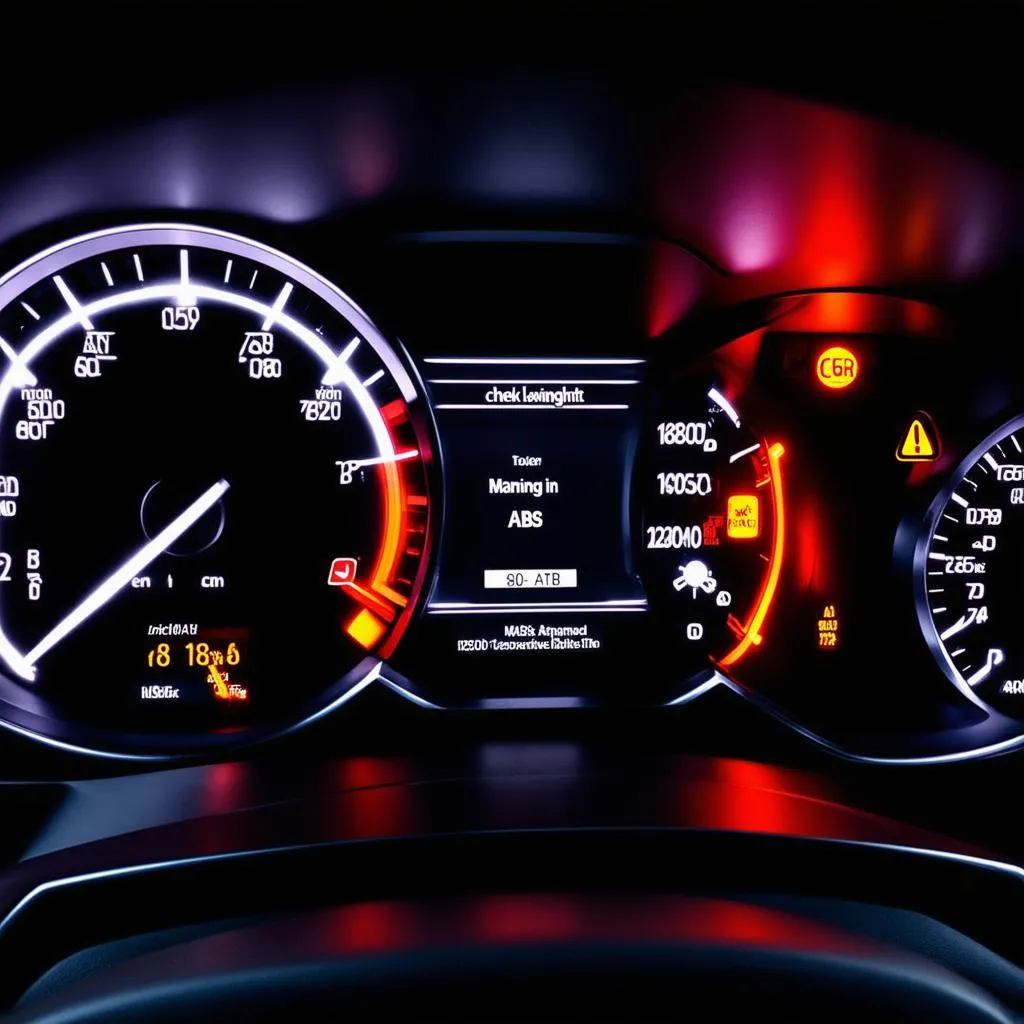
x=442, y=431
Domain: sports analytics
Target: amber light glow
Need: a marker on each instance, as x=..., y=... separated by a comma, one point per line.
x=919, y=442
x=384, y=607
x=743, y=516
x=837, y=368
x=752, y=631
x=366, y=629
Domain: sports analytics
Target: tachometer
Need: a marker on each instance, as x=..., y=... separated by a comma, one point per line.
x=214, y=496
x=968, y=569
x=709, y=492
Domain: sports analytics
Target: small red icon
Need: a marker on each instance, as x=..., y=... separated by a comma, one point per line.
x=343, y=572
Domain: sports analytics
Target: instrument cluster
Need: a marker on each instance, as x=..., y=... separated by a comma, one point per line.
x=363, y=390
x=233, y=498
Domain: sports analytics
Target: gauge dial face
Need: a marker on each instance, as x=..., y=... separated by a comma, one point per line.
x=969, y=573
x=214, y=476
x=711, y=527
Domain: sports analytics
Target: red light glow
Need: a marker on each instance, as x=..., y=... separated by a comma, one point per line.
x=785, y=193
x=373, y=927
x=673, y=288
x=752, y=631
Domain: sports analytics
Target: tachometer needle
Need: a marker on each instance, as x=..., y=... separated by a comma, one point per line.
x=120, y=578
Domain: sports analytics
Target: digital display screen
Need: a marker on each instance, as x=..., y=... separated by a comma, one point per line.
x=536, y=572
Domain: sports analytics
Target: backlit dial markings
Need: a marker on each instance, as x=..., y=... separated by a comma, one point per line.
x=969, y=562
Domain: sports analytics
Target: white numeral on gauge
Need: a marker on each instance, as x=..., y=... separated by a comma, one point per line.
x=179, y=318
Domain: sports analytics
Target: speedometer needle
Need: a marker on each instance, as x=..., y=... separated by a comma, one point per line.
x=118, y=579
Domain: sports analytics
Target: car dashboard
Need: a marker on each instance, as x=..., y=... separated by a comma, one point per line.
x=511, y=473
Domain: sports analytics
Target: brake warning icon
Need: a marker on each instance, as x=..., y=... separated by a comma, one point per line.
x=920, y=441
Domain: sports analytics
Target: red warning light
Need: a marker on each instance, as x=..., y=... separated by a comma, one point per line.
x=710, y=528
x=343, y=572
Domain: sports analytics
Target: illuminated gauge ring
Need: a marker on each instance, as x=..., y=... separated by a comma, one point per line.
x=708, y=494
x=97, y=284
x=966, y=574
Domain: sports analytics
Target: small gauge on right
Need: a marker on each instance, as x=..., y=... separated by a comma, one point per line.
x=968, y=568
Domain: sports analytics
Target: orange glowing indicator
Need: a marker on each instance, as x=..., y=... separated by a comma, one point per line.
x=366, y=629
x=828, y=629
x=743, y=516
x=920, y=441
x=223, y=688
x=383, y=590
x=750, y=634
x=837, y=367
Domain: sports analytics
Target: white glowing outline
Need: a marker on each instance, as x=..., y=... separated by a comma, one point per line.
x=698, y=691
x=72, y=302
x=725, y=405
x=407, y=694
x=17, y=365
x=337, y=370
x=1014, y=871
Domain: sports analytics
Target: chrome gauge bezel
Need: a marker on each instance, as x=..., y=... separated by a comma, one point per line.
x=921, y=548
x=26, y=716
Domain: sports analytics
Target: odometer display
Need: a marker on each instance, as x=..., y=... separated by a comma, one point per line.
x=215, y=504
x=970, y=591
x=710, y=517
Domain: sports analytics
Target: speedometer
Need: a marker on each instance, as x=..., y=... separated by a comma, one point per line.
x=970, y=589
x=214, y=493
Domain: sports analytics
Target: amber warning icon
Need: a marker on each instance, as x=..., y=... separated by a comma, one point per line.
x=920, y=441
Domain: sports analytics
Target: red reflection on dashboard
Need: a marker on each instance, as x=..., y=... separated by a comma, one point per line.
x=839, y=312
x=921, y=318
x=526, y=918
x=746, y=796
x=382, y=811
x=722, y=920
x=786, y=193
x=736, y=361
x=360, y=772
x=372, y=927
x=838, y=238
x=226, y=791
x=225, y=787
x=673, y=288
x=810, y=550
x=760, y=800
x=553, y=918
x=922, y=225
x=375, y=802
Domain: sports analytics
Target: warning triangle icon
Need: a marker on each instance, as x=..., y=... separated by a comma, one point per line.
x=920, y=441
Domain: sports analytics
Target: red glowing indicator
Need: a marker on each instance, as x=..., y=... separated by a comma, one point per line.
x=342, y=572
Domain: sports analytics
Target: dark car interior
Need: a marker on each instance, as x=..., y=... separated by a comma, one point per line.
x=512, y=511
